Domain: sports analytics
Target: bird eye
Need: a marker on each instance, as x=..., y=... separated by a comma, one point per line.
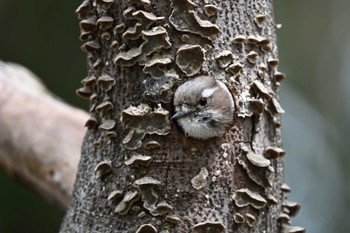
x=203, y=102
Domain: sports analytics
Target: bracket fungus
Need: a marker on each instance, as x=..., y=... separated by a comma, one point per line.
x=285, y=188
x=162, y=209
x=271, y=199
x=133, y=140
x=129, y=57
x=263, y=67
x=200, y=180
x=250, y=219
x=244, y=197
x=107, y=125
x=111, y=134
x=235, y=68
x=209, y=227
x=143, y=119
x=146, y=181
x=224, y=58
x=91, y=46
x=153, y=65
x=114, y=44
x=277, y=106
x=259, y=87
x=152, y=144
x=89, y=81
x=252, y=56
x=263, y=41
x=184, y=19
x=119, y=28
x=145, y=20
x=124, y=206
x=211, y=10
x=88, y=25
x=258, y=40
x=84, y=92
x=238, y=218
x=138, y=160
x=259, y=175
x=293, y=229
x=266, y=48
x=114, y=195
x=252, y=39
x=146, y=186
x=97, y=143
x=239, y=39
x=93, y=97
x=260, y=19
x=85, y=35
x=91, y=123
x=147, y=228
x=103, y=168
x=190, y=58
x=292, y=207
x=98, y=63
x=83, y=9
x=106, y=82
x=104, y=108
x=283, y=218
x=272, y=62
x=279, y=76
x=257, y=105
x=105, y=22
x=258, y=160
x=172, y=219
x=154, y=39
x=272, y=152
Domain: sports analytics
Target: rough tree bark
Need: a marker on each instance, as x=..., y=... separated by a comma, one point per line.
x=137, y=172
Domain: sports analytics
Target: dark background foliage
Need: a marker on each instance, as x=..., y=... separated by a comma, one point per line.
x=314, y=45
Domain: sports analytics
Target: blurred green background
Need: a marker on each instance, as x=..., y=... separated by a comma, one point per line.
x=314, y=50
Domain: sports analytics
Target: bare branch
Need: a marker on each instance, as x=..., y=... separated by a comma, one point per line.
x=40, y=136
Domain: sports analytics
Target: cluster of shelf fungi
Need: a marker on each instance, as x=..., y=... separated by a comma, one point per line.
x=254, y=95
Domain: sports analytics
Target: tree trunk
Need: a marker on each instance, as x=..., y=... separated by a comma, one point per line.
x=138, y=173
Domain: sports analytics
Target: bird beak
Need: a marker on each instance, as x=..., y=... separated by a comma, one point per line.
x=177, y=115
x=182, y=111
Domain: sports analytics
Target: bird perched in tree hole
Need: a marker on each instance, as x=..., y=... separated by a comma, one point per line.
x=204, y=107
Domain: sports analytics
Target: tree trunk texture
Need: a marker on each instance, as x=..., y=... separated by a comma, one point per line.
x=138, y=173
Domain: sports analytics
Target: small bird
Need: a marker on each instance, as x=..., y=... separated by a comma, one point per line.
x=204, y=107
